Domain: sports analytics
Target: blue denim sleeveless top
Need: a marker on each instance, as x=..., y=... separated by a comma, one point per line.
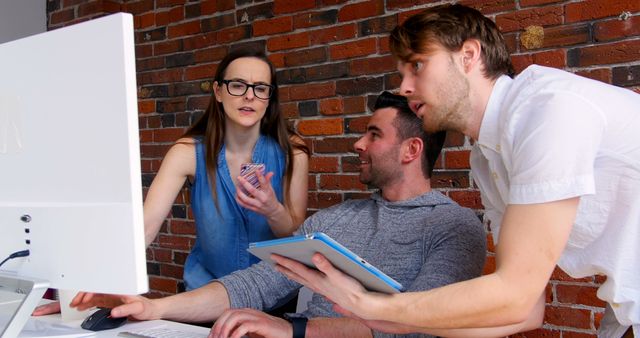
x=222, y=238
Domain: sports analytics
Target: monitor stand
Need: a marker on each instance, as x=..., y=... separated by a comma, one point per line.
x=19, y=296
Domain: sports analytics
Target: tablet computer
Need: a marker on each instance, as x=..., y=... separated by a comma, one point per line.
x=301, y=248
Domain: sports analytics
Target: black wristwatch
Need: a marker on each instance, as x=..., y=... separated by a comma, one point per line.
x=298, y=322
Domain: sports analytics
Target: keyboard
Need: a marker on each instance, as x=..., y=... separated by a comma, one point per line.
x=161, y=332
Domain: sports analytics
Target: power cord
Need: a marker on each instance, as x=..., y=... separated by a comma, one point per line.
x=23, y=253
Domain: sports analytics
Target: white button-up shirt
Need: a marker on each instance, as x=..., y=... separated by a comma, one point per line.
x=550, y=135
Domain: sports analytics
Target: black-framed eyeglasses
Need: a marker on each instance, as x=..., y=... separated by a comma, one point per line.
x=239, y=88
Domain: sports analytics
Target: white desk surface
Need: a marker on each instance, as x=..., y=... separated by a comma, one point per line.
x=130, y=325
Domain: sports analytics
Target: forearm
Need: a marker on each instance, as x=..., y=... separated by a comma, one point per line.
x=336, y=327
x=154, y=215
x=150, y=233
x=178, y=164
x=282, y=222
x=199, y=305
x=488, y=332
x=289, y=214
x=486, y=301
x=533, y=321
x=258, y=287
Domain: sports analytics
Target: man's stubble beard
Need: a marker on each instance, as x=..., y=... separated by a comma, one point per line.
x=381, y=174
x=453, y=112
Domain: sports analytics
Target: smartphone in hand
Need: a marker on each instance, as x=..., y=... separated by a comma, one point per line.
x=248, y=172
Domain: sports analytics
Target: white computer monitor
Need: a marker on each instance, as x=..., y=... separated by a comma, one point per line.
x=70, y=185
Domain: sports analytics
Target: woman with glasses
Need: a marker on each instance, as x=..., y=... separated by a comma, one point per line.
x=242, y=124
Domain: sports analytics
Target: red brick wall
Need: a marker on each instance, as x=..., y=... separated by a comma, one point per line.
x=333, y=58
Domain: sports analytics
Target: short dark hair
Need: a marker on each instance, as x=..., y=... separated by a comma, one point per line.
x=450, y=26
x=408, y=125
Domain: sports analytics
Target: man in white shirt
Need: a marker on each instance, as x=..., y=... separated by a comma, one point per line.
x=557, y=161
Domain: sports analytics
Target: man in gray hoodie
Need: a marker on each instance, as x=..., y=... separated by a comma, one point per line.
x=414, y=234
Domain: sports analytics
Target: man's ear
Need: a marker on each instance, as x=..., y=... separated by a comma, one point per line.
x=471, y=54
x=412, y=149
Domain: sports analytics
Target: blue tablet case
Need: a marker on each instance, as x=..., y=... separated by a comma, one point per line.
x=301, y=248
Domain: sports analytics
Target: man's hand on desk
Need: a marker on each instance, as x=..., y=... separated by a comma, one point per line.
x=86, y=300
x=137, y=307
x=236, y=323
x=82, y=301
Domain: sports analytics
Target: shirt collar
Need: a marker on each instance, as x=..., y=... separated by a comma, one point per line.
x=431, y=198
x=488, y=136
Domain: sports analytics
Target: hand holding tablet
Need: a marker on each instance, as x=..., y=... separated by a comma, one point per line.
x=301, y=248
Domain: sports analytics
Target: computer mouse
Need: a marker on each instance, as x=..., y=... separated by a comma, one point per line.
x=102, y=320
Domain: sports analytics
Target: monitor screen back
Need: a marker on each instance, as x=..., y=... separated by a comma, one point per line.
x=70, y=186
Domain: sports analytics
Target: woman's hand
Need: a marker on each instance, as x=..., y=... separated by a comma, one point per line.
x=262, y=200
